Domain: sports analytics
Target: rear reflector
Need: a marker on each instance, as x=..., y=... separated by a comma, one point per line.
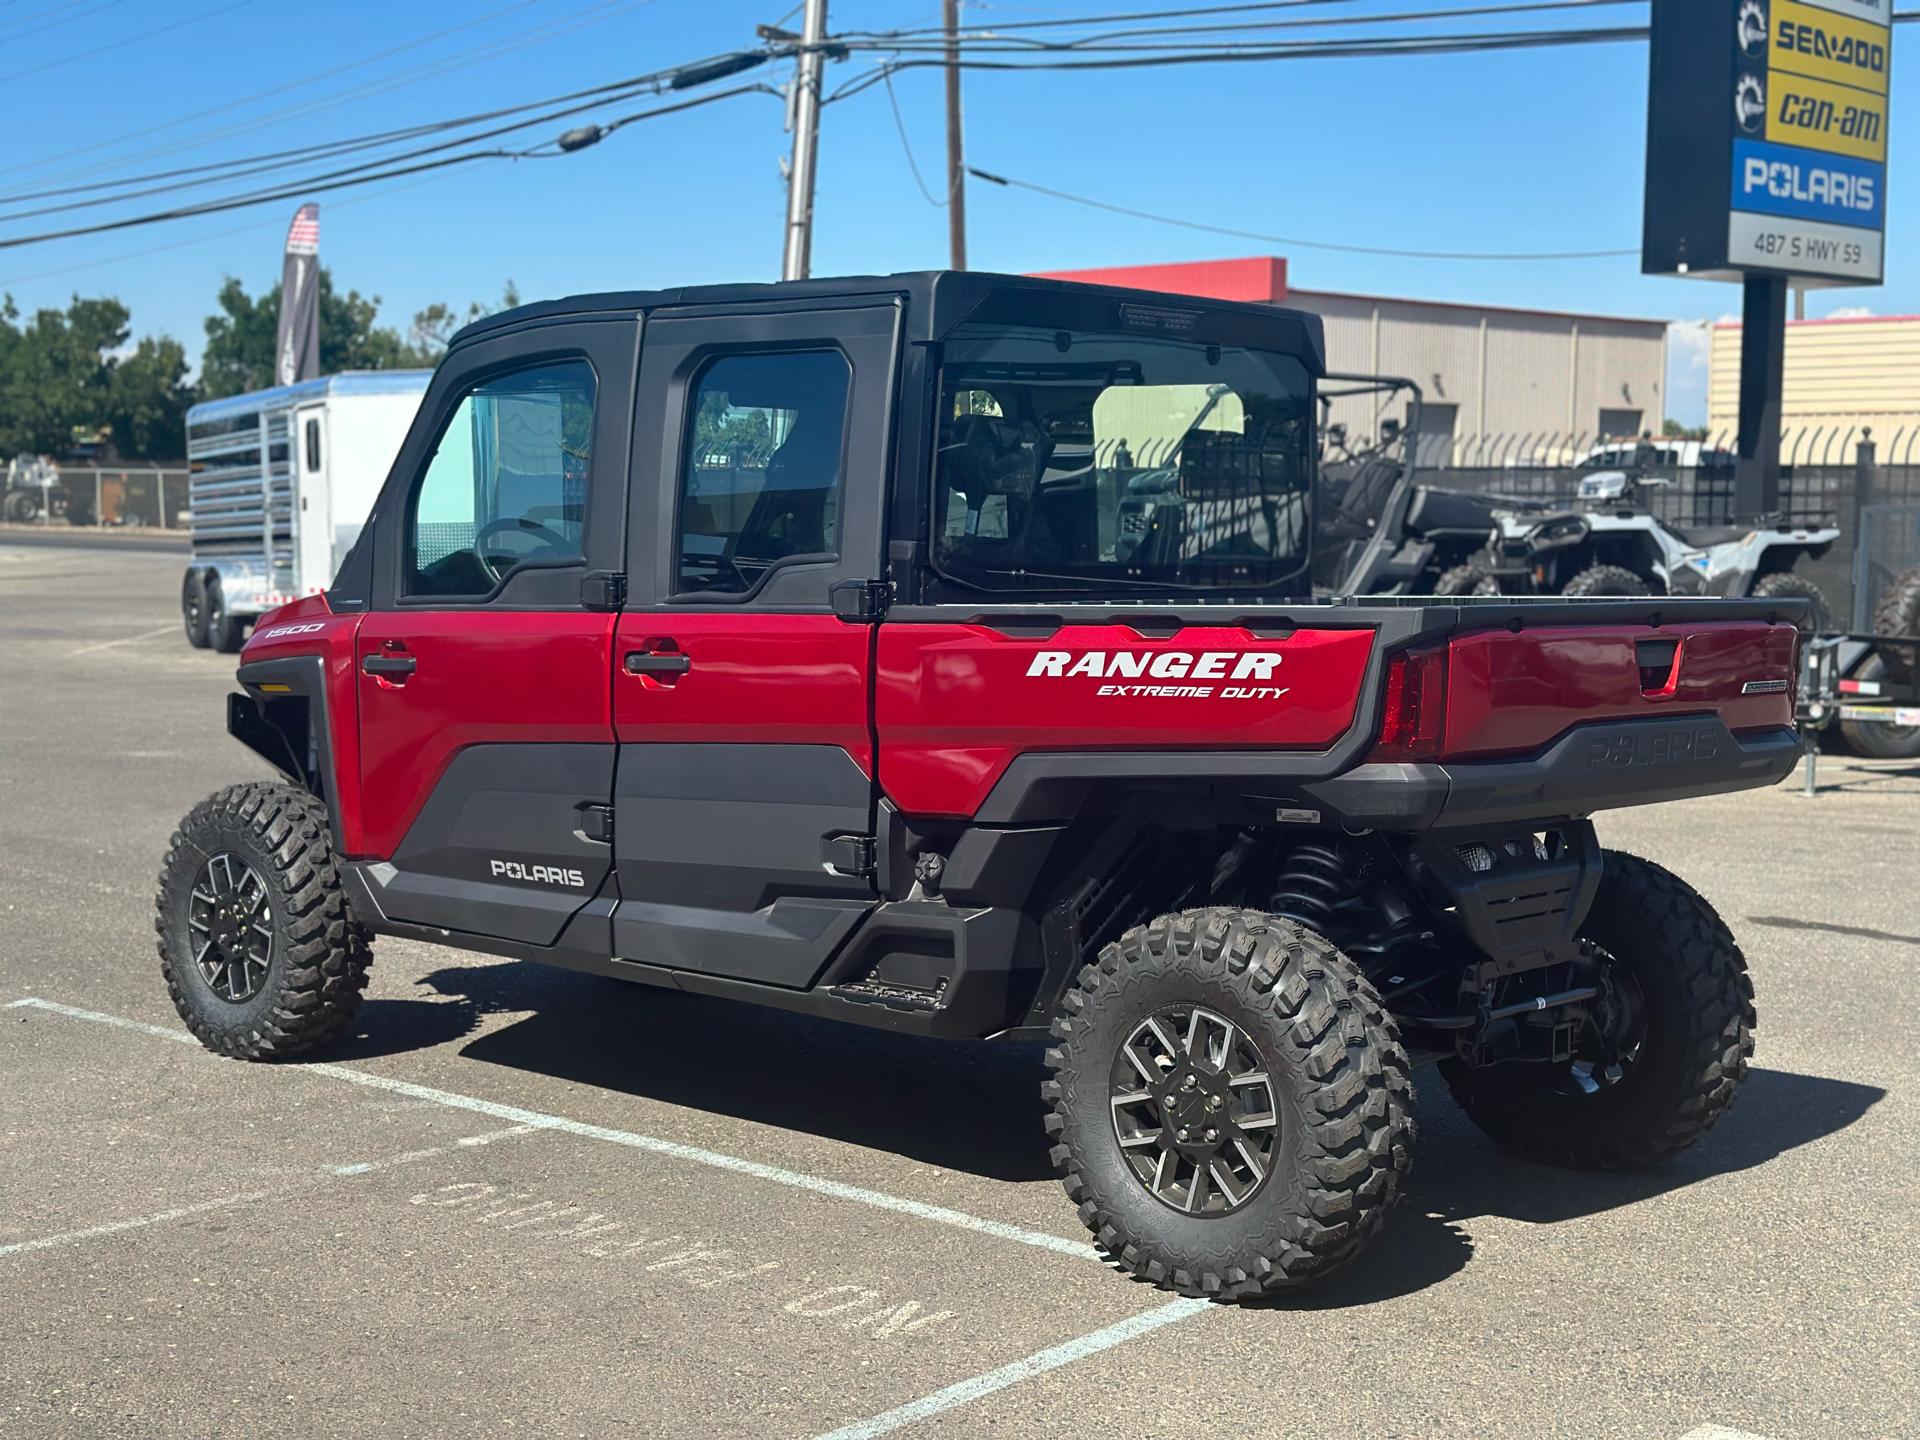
x=1413, y=724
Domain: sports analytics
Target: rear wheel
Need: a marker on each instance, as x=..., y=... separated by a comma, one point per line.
x=1788, y=586
x=23, y=507
x=1898, y=612
x=225, y=633
x=1664, y=1049
x=193, y=609
x=1606, y=580
x=1231, y=1102
x=258, y=950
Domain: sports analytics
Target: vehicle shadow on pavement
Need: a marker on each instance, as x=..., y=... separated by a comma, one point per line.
x=1460, y=1175
x=955, y=1104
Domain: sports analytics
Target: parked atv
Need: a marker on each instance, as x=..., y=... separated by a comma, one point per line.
x=1611, y=544
x=1380, y=530
x=1871, y=677
x=793, y=644
x=32, y=490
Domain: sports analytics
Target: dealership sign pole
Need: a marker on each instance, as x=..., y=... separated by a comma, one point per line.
x=1766, y=164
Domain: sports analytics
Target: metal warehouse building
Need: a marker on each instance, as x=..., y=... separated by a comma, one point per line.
x=1498, y=384
x=1844, y=377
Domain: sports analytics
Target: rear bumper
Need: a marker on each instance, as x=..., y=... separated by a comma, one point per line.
x=1600, y=766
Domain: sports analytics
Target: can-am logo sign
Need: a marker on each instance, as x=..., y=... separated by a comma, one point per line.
x=1181, y=666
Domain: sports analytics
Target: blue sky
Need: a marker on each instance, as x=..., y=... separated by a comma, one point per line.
x=1537, y=150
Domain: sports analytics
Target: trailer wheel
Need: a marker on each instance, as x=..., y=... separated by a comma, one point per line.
x=23, y=507
x=259, y=951
x=193, y=609
x=1877, y=739
x=1664, y=1049
x=1785, y=585
x=1231, y=1102
x=225, y=633
x=1606, y=580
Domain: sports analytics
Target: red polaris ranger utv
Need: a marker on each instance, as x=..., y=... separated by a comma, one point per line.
x=936, y=652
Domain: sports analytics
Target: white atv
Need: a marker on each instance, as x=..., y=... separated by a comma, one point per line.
x=1612, y=545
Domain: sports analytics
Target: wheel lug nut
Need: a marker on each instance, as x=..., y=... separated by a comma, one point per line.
x=1212, y=1135
x=1214, y=1103
x=1182, y=1133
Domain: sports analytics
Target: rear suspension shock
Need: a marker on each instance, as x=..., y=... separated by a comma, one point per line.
x=1313, y=881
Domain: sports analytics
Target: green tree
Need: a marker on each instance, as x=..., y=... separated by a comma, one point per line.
x=61, y=373
x=240, y=339
x=433, y=328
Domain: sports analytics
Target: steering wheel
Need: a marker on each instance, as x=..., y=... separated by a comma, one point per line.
x=552, y=544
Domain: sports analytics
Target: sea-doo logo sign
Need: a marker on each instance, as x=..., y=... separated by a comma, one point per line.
x=538, y=874
x=1180, y=666
x=1752, y=28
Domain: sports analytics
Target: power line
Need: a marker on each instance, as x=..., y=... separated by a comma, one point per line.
x=264, y=94
x=1294, y=241
x=124, y=41
x=364, y=176
x=517, y=40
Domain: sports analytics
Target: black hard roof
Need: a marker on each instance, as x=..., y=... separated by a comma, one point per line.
x=938, y=300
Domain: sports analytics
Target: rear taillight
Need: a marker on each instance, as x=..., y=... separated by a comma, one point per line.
x=1413, y=725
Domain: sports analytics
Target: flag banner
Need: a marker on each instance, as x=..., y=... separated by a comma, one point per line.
x=297, y=350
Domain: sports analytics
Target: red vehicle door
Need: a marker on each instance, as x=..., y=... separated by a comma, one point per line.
x=744, y=794
x=485, y=715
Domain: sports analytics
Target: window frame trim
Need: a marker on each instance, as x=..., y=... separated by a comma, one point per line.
x=403, y=597
x=687, y=382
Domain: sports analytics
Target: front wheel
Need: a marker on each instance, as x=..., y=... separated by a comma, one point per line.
x=1662, y=1051
x=258, y=950
x=1231, y=1104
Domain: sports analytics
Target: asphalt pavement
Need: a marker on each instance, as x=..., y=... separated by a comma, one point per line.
x=520, y=1201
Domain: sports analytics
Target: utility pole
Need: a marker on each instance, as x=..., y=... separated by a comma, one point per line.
x=797, y=263
x=956, y=162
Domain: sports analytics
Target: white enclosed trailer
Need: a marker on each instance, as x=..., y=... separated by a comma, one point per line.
x=282, y=482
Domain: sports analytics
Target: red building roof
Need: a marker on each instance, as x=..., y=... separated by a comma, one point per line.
x=1261, y=278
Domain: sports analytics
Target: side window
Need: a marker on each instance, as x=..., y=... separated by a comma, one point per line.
x=507, y=485
x=761, y=479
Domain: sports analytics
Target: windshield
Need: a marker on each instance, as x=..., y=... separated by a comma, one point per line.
x=1074, y=460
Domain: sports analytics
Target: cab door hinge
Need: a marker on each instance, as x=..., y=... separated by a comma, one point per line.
x=860, y=602
x=596, y=824
x=849, y=854
x=603, y=590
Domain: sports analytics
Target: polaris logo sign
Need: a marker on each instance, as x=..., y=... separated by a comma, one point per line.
x=538, y=874
x=1166, y=665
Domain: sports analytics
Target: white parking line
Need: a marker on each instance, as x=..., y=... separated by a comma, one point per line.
x=365, y=1167
x=1009, y=1375
x=537, y=1120
x=166, y=629
x=74, y=1237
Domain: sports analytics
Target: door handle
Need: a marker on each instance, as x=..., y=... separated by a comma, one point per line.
x=388, y=664
x=641, y=662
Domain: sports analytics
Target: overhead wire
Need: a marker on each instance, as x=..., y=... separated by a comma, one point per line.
x=125, y=41
x=1006, y=180
x=364, y=176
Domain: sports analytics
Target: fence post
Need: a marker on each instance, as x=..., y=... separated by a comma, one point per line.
x=1863, y=480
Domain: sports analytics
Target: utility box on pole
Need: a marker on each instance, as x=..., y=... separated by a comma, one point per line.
x=1766, y=164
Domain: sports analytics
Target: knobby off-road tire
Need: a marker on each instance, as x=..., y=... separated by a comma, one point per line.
x=267, y=967
x=1466, y=580
x=1898, y=613
x=1606, y=580
x=1784, y=585
x=1340, y=1093
x=1675, y=963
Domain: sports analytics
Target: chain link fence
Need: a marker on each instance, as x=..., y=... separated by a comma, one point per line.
x=131, y=497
